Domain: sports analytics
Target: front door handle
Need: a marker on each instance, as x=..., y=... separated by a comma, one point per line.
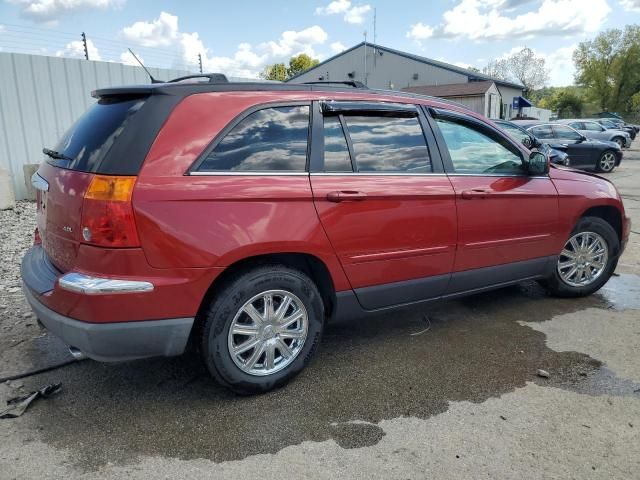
x=475, y=193
x=346, y=196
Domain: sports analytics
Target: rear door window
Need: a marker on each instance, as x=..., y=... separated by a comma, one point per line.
x=543, y=131
x=388, y=144
x=566, y=133
x=269, y=140
x=88, y=140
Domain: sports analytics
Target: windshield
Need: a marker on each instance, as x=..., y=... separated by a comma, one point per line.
x=85, y=144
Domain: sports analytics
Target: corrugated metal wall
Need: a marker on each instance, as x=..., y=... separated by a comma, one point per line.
x=40, y=97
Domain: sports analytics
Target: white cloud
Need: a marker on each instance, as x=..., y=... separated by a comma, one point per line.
x=420, y=31
x=486, y=19
x=356, y=15
x=161, y=32
x=337, y=47
x=339, y=6
x=630, y=5
x=128, y=59
x=75, y=49
x=352, y=13
x=247, y=61
x=52, y=10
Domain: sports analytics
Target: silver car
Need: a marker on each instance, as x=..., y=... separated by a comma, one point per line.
x=593, y=130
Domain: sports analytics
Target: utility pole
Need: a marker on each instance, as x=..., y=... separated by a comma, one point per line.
x=375, y=39
x=365, y=57
x=84, y=44
x=200, y=61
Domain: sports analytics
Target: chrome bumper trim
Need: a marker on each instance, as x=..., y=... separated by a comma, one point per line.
x=80, y=283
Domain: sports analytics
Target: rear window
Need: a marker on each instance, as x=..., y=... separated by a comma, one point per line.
x=87, y=142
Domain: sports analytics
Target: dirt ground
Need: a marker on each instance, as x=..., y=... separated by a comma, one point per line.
x=384, y=398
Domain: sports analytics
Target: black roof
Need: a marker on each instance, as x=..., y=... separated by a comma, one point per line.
x=185, y=89
x=473, y=76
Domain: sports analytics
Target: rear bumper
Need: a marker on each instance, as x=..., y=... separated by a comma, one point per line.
x=114, y=342
x=111, y=341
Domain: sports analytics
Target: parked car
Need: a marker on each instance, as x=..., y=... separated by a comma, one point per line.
x=595, y=131
x=584, y=153
x=527, y=139
x=621, y=123
x=239, y=218
x=614, y=124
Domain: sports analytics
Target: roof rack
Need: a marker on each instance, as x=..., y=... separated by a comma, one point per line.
x=350, y=83
x=213, y=78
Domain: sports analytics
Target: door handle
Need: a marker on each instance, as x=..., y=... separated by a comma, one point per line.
x=345, y=196
x=475, y=193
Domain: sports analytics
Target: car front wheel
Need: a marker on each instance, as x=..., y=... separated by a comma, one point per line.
x=607, y=162
x=262, y=329
x=587, y=261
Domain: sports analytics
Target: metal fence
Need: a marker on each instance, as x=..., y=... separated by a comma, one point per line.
x=40, y=98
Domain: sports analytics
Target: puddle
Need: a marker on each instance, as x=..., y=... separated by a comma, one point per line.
x=622, y=292
x=369, y=370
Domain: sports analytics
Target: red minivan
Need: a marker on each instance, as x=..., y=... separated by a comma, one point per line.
x=242, y=217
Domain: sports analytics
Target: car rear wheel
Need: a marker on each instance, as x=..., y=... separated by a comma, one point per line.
x=587, y=261
x=607, y=162
x=262, y=329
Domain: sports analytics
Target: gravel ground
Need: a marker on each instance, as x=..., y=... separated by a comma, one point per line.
x=461, y=400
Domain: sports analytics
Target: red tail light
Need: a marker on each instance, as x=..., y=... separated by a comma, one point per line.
x=107, y=214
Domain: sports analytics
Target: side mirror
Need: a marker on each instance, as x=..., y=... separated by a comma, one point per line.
x=582, y=139
x=527, y=141
x=538, y=164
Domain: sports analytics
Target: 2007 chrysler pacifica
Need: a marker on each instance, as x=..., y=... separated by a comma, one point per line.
x=242, y=217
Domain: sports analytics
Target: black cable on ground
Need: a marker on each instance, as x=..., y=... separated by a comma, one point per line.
x=38, y=371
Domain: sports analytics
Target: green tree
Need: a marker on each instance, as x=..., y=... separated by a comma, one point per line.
x=277, y=71
x=301, y=63
x=567, y=103
x=609, y=68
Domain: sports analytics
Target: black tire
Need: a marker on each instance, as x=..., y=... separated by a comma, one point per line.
x=219, y=316
x=619, y=141
x=558, y=287
x=605, y=164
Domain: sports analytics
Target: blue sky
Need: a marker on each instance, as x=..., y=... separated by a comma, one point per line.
x=241, y=37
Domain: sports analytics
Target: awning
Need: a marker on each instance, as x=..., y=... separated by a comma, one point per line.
x=521, y=102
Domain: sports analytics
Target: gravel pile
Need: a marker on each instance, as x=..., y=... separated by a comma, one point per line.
x=16, y=236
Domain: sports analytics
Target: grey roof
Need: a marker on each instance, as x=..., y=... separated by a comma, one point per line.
x=473, y=76
x=452, y=89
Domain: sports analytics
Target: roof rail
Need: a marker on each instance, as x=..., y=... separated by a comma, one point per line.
x=213, y=78
x=350, y=83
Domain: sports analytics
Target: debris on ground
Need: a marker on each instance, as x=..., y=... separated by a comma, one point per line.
x=428, y=322
x=543, y=373
x=18, y=405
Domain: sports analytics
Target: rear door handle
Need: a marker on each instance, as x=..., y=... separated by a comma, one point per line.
x=346, y=196
x=475, y=193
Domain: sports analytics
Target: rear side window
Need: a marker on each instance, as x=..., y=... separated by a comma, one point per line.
x=336, y=151
x=388, y=144
x=87, y=142
x=543, y=131
x=268, y=140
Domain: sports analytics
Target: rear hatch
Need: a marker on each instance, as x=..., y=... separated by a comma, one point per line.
x=95, y=145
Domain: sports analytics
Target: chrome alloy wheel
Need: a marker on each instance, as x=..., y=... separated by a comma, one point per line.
x=583, y=259
x=607, y=162
x=268, y=332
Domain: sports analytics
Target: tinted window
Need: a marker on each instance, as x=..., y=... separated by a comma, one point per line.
x=473, y=151
x=388, y=144
x=577, y=125
x=272, y=139
x=89, y=139
x=336, y=152
x=515, y=132
x=543, y=131
x=592, y=126
x=566, y=133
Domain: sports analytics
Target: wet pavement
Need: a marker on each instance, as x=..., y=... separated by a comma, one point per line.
x=407, y=368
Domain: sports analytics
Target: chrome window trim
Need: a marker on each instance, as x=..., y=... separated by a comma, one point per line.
x=39, y=183
x=252, y=173
x=388, y=174
x=496, y=175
